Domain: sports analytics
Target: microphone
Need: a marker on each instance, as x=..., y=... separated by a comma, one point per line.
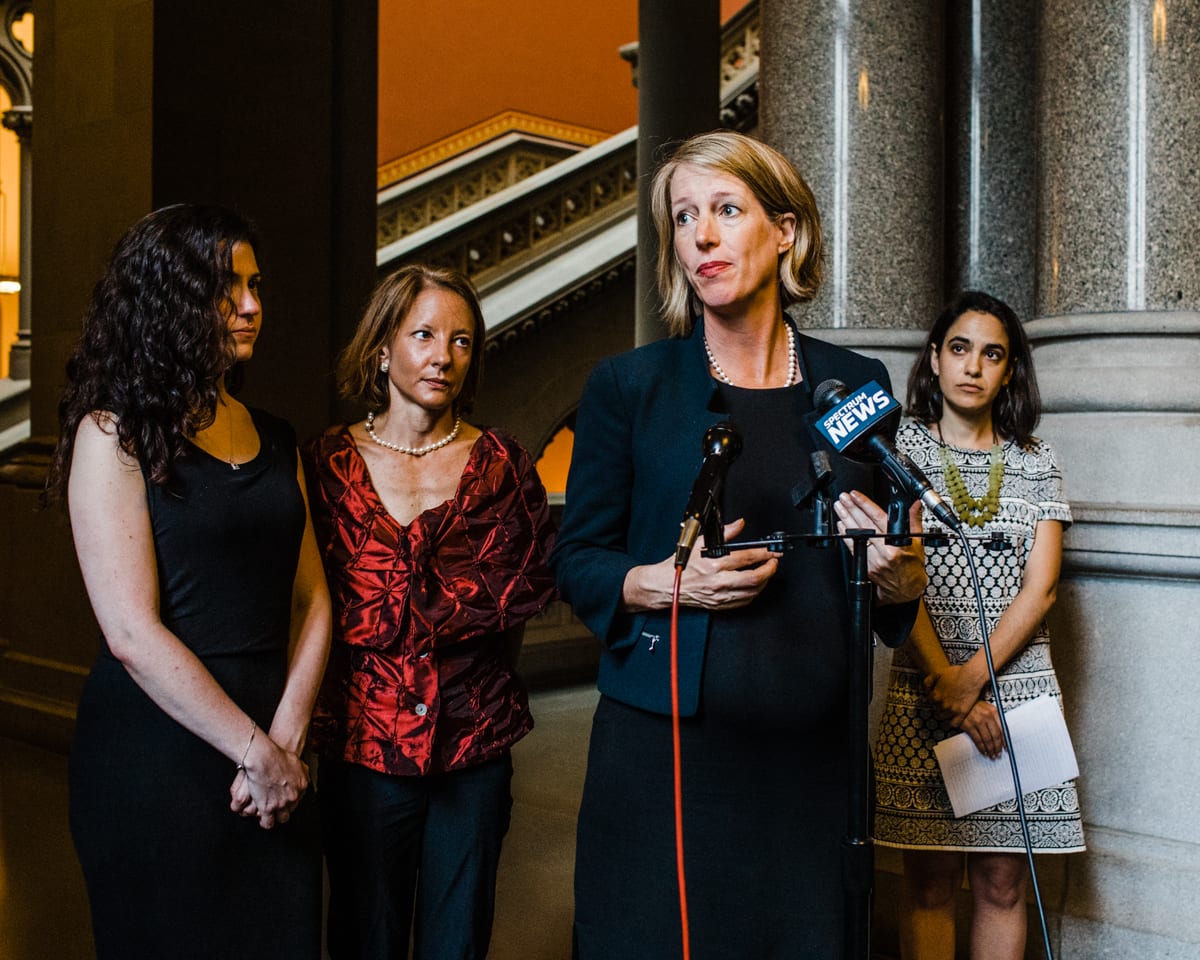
x=855, y=424
x=721, y=445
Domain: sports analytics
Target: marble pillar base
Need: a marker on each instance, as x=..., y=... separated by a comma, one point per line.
x=896, y=348
x=1120, y=396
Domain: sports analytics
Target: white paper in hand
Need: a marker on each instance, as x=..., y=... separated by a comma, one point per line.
x=1044, y=754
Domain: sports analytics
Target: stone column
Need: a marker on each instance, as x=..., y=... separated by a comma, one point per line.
x=20, y=121
x=678, y=77
x=852, y=93
x=1118, y=218
x=1117, y=348
x=990, y=126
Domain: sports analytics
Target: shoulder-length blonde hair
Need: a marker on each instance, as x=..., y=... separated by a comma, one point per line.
x=358, y=374
x=774, y=182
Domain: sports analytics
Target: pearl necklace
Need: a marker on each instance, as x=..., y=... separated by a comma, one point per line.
x=411, y=451
x=791, y=360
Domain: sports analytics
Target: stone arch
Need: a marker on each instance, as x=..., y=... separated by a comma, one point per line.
x=16, y=63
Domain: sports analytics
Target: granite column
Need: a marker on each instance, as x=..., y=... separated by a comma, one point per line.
x=1117, y=349
x=851, y=92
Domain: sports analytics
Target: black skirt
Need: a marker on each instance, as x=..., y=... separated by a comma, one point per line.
x=171, y=871
x=764, y=819
x=764, y=763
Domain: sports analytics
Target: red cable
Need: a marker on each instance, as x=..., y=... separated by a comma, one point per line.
x=683, y=910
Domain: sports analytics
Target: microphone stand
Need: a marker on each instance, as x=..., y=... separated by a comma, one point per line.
x=858, y=848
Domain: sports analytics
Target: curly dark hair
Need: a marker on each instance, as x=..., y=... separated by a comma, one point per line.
x=154, y=346
x=1018, y=407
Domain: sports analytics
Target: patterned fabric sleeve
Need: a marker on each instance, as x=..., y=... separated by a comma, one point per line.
x=1051, y=503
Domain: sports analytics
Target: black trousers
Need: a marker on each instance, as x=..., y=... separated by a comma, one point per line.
x=413, y=857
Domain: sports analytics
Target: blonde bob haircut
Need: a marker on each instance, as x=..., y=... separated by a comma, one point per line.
x=358, y=374
x=774, y=182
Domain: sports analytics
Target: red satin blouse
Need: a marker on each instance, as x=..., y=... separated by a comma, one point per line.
x=418, y=681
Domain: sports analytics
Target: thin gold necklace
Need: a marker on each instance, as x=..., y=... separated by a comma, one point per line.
x=232, y=463
x=976, y=511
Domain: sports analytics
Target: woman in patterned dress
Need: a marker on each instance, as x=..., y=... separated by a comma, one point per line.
x=974, y=402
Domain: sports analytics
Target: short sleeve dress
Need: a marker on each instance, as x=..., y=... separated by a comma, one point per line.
x=171, y=871
x=912, y=807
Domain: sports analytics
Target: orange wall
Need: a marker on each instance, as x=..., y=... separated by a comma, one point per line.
x=555, y=461
x=448, y=65
x=10, y=233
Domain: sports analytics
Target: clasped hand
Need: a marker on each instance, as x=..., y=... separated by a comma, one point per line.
x=270, y=785
x=952, y=692
x=982, y=725
x=956, y=697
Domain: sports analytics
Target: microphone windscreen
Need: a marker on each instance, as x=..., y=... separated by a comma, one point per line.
x=828, y=393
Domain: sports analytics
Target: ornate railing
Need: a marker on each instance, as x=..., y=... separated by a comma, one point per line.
x=739, y=69
x=422, y=201
x=544, y=209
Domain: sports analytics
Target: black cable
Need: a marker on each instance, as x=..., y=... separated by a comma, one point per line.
x=1012, y=759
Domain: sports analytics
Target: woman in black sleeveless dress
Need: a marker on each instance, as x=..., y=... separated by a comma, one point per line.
x=188, y=805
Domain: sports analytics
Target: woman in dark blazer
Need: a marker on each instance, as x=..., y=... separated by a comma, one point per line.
x=762, y=638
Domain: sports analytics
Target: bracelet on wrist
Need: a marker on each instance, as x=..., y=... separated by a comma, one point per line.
x=245, y=753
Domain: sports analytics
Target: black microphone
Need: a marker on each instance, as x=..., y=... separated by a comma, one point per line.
x=722, y=443
x=855, y=423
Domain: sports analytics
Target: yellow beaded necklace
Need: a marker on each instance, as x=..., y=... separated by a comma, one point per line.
x=974, y=511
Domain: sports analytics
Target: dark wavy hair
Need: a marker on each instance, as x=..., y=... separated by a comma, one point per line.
x=1018, y=407
x=358, y=374
x=155, y=344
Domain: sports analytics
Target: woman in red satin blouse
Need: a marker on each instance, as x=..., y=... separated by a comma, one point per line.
x=434, y=535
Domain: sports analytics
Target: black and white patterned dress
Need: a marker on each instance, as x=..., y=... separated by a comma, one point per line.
x=912, y=808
